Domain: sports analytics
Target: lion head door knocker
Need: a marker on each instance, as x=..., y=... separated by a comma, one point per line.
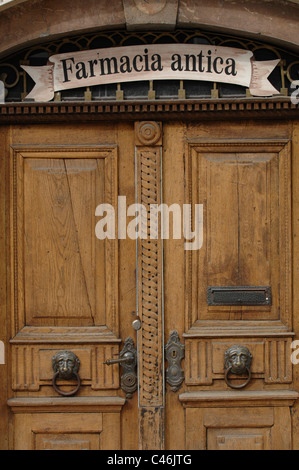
x=66, y=367
x=237, y=361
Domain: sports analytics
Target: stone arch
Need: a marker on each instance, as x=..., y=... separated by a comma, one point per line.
x=27, y=22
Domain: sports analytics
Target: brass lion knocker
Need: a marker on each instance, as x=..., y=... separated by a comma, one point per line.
x=66, y=366
x=238, y=362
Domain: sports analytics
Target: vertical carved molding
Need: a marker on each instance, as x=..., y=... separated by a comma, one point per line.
x=104, y=376
x=25, y=369
x=198, y=364
x=148, y=141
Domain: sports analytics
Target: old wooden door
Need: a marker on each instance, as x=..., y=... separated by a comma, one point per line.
x=241, y=173
x=70, y=291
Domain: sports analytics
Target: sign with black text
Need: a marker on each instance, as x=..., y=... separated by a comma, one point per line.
x=151, y=62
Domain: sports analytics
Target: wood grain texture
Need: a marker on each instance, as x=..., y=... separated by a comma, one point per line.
x=245, y=189
x=295, y=244
x=62, y=274
x=254, y=425
x=5, y=373
x=204, y=413
x=66, y=431
x=64, y=285
x=205, y=358
x=244, y=183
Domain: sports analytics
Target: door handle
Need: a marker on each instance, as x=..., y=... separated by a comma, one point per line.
x=128, y=361
x=128, y=358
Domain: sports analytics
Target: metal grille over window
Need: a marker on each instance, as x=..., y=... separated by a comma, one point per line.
x=18, y=84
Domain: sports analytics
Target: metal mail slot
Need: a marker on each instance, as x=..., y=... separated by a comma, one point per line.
x=243, y=295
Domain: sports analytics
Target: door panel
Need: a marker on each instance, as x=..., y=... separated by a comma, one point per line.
x=66, y=285
x=244, y=184
x=82, y=425
x=63, y=277
x=246, y=198
x=60, y=193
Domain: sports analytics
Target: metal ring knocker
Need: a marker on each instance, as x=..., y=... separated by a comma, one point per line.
x=238, y=362
x=243, y=385
x=66, y=366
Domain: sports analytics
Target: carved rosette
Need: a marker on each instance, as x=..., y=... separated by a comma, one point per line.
x=148, y=133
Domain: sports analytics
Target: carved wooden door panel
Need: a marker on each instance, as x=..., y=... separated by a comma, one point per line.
x=69, y=291
x=231, y=298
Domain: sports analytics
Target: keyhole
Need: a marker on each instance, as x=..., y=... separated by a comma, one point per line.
x=174, y=354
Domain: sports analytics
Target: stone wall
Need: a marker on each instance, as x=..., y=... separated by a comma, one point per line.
x=29, y=22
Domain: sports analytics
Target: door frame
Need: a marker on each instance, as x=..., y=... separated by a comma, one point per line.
x=27, y=113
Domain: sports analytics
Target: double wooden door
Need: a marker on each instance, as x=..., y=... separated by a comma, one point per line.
x=71, y=285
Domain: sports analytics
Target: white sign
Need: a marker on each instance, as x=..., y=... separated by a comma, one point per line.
x=2, y=2
x=151, y=62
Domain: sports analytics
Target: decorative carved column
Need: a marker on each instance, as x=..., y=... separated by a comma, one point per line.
x=148, y=139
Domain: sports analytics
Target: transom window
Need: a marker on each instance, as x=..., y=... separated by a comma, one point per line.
x=18, y=84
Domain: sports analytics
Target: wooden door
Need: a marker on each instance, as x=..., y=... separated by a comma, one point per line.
x=68, y=290
x=241, y=174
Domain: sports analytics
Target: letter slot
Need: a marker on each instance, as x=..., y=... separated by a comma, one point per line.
x=241, y=295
